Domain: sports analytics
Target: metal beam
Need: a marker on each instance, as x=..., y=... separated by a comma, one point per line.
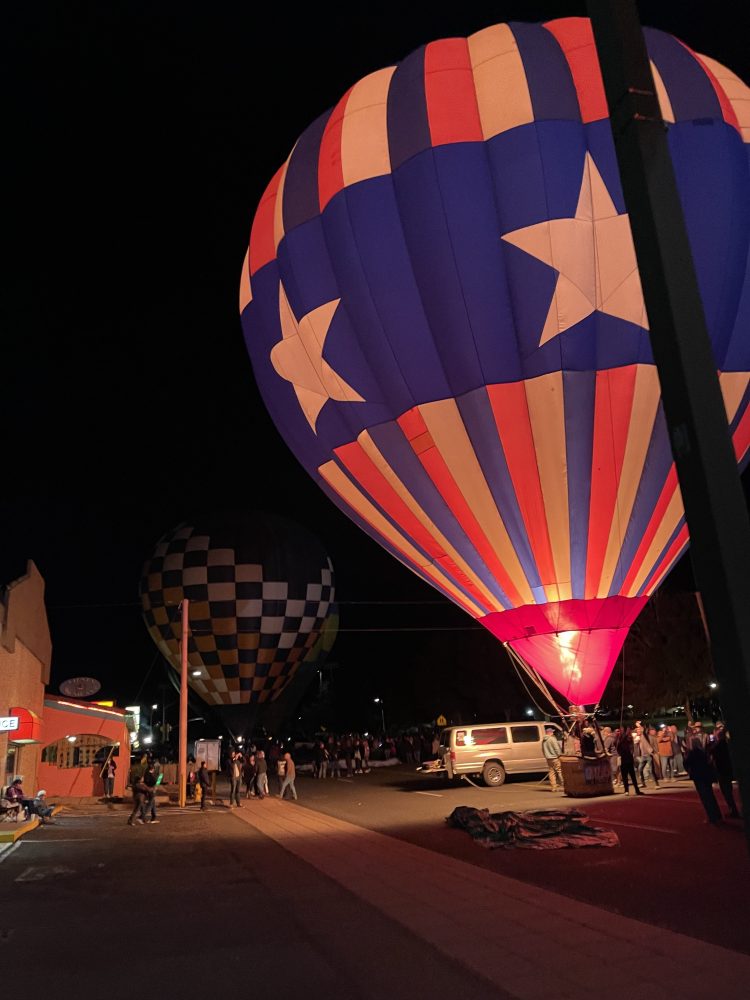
x=712, y=494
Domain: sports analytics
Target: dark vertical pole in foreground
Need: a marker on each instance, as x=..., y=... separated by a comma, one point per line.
x=712, y=493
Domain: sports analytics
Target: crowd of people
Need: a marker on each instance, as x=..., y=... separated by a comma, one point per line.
x=642, y=754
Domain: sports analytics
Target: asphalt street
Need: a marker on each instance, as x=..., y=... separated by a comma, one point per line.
x=199, y=906
x=671, y=869
x=202, y=902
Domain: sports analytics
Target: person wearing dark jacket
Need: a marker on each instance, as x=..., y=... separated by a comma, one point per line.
x=149, y=780
x=249, y=774
x=140, y=802
x=627, y=761
x=701, y=770
x=722, y=761
x=204, y=782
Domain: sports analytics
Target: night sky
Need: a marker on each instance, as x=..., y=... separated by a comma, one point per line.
x=138, y=140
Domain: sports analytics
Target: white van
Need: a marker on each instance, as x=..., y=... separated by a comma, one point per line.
x=494, y=749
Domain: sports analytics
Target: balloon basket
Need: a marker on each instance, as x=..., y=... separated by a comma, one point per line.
x=586, y=777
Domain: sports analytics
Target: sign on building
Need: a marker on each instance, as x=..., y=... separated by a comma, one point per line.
x=8, y=723
x=210, y=751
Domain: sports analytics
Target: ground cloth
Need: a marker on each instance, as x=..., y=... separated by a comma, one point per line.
x=542, y=830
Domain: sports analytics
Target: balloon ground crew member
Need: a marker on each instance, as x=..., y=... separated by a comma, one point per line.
x=551, y=749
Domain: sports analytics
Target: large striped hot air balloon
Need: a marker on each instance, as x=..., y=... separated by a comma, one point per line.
x=444, y=314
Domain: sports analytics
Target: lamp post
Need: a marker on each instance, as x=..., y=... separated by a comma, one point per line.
x=379, y=701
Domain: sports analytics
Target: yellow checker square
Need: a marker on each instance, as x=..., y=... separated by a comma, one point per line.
x=205, y=643
x=258, y=683
x=265, y=655
x=160, y=616
x=199, y=611
x=248, y=640
x=153, y=582
x=233, y=683
x=224, y=626
x=173, y=596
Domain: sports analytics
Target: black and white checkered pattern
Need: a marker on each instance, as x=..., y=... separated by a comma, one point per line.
x=256, y=606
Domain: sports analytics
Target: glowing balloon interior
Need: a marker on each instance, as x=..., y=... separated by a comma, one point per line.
x=444, y=314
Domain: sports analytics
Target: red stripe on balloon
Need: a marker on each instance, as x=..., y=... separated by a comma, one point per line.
x=370, y=478
x=510, y=410
x=330, y=164
x=415, y=430
x=576, y=39
x=672, y=553
x=653, y=526
x=612, y=408
x=262, y=244
x=452, y=110
x=727, y=110
x=741, y=436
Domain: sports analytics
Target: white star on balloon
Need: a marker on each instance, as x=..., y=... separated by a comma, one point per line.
x=594, y=256
x=298, y=358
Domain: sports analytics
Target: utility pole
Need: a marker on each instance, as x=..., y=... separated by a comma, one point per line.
x=715, y=507
x=182, y=753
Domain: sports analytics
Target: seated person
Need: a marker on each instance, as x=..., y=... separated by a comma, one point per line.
x=11, y=808
x=16, y=796
x=42, y=808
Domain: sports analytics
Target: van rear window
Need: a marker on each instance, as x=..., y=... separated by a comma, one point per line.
x=495, y=734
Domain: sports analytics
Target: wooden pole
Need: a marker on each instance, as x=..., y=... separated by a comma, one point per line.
x=182, y=767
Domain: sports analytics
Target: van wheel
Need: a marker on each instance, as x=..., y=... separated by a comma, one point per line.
x=493, y=773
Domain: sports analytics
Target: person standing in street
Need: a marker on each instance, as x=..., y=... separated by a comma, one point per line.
x=261, y=777
x=666, y=753
x=290, y=773
x=701, y=770
x=249, y=774
x=149, y=780
x=140, y=801
x=627, y=761
x=204, y=783
x=234, y=768
x=551, y=749
x=722, y=761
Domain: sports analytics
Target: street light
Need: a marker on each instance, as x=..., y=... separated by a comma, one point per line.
x=713, y=685
x=379, y=701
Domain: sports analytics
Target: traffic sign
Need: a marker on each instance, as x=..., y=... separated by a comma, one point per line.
x=441, y=721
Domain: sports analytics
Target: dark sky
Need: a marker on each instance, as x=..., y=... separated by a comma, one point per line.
x=138, y=139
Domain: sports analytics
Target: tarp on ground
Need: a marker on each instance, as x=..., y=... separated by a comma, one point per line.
x=545, y=829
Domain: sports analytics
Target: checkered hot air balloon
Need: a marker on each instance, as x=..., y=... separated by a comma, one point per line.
x=444, y=314
x=261, y=589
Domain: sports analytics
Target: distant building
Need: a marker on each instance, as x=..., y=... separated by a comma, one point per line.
x=25, y=658
x=56, y=743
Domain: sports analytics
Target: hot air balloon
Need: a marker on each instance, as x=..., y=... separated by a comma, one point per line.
x=444, y=315
x=260, y=589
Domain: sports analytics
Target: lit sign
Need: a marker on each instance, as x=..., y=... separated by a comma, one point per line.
x=8, y=723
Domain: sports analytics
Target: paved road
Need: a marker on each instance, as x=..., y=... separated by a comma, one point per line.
x=671, y=869
x=199, y=906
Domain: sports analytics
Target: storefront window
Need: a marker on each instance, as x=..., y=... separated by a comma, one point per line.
x=76, y=751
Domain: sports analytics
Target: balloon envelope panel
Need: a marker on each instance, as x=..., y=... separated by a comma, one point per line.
x=444, y=314
x=260, y=589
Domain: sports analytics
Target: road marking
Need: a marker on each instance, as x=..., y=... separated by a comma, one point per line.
x=6, y=852
x=63, y=840
x=435, y=795
x=38, y=872
x=635, y=826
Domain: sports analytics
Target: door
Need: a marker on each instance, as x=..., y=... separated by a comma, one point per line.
x=527, y=747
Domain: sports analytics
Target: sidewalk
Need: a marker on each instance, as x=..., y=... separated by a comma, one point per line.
x=525, y=940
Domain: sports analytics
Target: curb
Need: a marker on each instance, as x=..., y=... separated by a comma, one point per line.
x=21, y=829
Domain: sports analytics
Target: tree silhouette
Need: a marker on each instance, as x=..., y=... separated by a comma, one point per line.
x=667, y=660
